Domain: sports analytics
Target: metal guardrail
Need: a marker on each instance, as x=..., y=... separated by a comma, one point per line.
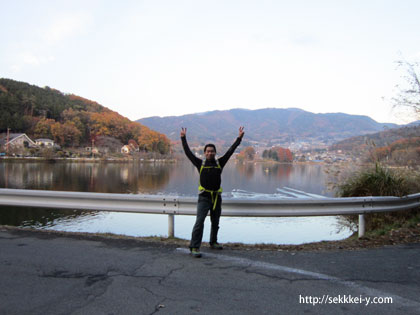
x=175, y=205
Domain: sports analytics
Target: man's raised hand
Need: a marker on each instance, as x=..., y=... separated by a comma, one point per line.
x=183, y=132
x=241, y=132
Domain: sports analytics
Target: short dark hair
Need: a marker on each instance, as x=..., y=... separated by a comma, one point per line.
x=210, y=145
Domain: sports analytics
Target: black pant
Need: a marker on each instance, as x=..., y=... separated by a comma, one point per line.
x=204, y=205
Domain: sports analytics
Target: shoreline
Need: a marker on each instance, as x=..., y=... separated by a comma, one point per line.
x=142, y=160
x=88, y=160
x=401, y=236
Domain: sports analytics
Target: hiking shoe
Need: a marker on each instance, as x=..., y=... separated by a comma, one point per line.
x=216, y=246
x=195, y=252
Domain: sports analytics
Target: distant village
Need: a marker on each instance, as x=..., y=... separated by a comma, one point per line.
x=21, y=145
x=302, y=152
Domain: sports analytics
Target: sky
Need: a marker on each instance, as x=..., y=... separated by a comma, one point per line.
x=176, y=57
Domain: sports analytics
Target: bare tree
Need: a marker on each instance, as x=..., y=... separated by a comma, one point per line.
x=408, y=95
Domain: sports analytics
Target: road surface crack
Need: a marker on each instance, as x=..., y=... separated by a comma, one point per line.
x=170, y=273
x=91, y=279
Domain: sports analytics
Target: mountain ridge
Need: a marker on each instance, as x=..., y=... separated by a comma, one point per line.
x=267, y=125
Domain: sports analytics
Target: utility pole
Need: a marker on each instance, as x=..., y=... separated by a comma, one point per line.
x=7, y=141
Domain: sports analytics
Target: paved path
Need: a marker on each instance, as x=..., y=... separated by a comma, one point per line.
x=42, y=273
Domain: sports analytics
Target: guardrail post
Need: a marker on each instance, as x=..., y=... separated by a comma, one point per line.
x=361, y=225
x=171, y=225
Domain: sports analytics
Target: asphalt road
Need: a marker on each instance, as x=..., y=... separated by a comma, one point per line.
x=42, y=273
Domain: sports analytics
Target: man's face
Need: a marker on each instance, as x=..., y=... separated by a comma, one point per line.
x=210, y=153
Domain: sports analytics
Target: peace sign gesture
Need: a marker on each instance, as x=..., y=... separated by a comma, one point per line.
x=241, y=132
x=183, y=132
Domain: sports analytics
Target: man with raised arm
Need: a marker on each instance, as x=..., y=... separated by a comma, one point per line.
x=210, y=191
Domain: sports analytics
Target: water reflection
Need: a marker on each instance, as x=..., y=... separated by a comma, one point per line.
x=93, y=177
x=253, y=180
x=150, y=178
x=246, y=169
x=277, y=170
x=268, y=178
x=37, y=217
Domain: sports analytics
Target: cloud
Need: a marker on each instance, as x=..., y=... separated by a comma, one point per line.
x=65, y=26
x=29, y=59
x=303, y=40
x=40, y=50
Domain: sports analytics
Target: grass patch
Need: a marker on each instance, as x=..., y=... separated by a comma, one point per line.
x=382, y=181
x=377, y=181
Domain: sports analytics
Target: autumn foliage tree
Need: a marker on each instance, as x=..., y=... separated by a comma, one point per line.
x=285, y=155
x=401, y=152
x=66, y=134
x=43, y=128
x=114, y=125
x=247, y=154
x=133, y=145
x=152, y=141
x=278, y=154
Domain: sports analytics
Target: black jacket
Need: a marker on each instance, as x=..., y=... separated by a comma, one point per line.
x=210, y=178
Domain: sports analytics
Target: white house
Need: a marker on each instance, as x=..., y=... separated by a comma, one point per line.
x=126, y=149
x=47, y=143
x=92, y=149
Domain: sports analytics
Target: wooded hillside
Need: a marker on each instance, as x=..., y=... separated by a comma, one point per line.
x=399, y=146
x=68, y=119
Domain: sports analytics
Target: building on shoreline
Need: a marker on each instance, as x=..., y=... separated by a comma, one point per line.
x=17, y=141
x=46, y=143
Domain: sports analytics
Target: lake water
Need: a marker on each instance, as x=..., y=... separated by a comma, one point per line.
x=238, y=180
